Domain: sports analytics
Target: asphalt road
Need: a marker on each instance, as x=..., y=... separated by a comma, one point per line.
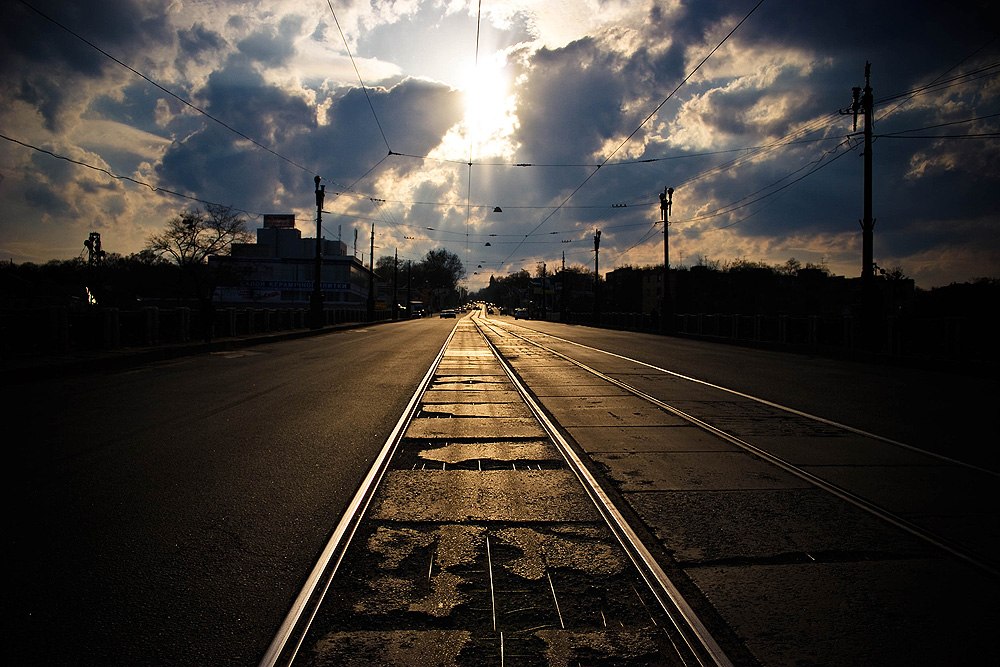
x=168, y=514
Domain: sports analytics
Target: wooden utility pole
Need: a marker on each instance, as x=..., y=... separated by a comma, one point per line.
x=597, y=302
x=395, y=284
x=371, y=279
x=543, y=291
x=563, y=307
x=864, y=104
x=666, y=305
x=409, y=300
x=868, y=223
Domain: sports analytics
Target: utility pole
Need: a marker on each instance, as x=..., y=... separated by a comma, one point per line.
x=865, y=105
x=863, y=102
x=597, y=302
x=409, y=304
x=562, y=288
x=316, y=300
x=667, y=303
x=543, y=291
x=395, y=284
x=371, y=279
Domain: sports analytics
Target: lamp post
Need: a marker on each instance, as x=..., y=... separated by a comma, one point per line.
x=371, y=279
x=316, y=300
x=666, y=307
x=395, y=285
x=543, y=291
x=597, y=304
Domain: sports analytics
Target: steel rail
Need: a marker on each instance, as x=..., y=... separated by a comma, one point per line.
x=757, y=399
x=287, y=641
x=879, y=512
x=702, y=644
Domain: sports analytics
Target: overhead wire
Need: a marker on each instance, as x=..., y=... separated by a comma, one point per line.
x=364, y=88
x=755, y=153
x=169, y=92
x=985, y=71
x=641, y=125
x=472, y=134
x=936, y=84
x=899, y=133
x=108, y=172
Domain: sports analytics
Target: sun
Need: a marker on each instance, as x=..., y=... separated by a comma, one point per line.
x=490, y=114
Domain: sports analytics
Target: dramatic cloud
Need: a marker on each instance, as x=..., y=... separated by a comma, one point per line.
x=423, y=116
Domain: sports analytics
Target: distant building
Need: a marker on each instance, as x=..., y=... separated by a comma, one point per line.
x=279, y=270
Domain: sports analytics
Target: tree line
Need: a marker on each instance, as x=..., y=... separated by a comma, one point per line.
x=173, y=267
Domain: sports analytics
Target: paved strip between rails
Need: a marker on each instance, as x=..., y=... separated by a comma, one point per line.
x=798, y=574
x=482, y=548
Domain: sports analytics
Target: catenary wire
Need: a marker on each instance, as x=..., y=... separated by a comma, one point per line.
x=641, y=125
x=166, y=90
x=360, y=80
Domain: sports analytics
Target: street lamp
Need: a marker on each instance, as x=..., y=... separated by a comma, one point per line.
x=597, y=247
x=666, y=306
x=316, y=300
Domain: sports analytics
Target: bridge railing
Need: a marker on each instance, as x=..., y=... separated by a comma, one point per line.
x=60, y=329
x=959, y=339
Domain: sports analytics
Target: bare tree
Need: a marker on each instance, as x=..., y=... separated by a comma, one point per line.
x=193, y=236
x=190, y=239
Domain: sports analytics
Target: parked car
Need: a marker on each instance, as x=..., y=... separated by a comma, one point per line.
x=521, y=314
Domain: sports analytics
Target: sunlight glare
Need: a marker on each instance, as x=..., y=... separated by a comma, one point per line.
x=489, y=106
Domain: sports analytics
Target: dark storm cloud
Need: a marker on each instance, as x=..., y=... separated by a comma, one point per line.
x=36, y=55
x=240, y=95
x=211, y=166
x=215, y=162
x=281, y=77
x=413, y=115
x=197, y=42
x=273, y=45
x=571, y=104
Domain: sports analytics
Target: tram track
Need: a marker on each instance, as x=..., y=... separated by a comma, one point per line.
x=479, y=536
x=974, y=555
x=540, y=506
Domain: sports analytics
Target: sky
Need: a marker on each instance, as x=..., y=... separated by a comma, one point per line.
x=510, y=132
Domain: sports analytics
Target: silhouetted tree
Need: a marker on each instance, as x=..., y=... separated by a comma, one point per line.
x=193, y=236
x=442, y=269
x=384, y=266
x=190, y=239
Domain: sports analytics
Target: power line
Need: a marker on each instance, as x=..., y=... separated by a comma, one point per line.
x=165, y=90
x=736, y=205
x=636, y=130
x=154, y=188
x=981, y=135
x=472, y=133
x=684, y=80
x=939, y=84
x=897, y=134
x=621, y=163
x=360, y=80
